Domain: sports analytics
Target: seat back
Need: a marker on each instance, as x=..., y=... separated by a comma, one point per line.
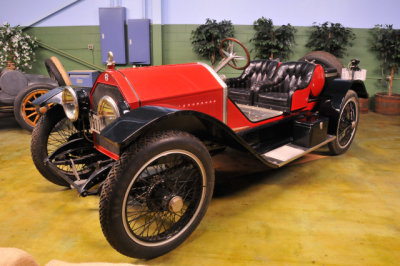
x=256, y=71
x=290, y=76
x=290, y=86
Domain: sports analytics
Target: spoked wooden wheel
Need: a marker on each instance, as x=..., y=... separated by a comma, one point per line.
x=25, y=112
x=29, y=111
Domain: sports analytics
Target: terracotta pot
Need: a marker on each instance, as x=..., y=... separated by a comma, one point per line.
x=364, y=105
x=387, y=105
x=10, y=65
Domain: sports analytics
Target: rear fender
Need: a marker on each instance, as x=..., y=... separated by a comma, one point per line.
x=332, y=99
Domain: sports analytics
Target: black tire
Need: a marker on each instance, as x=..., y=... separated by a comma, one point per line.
x=57, y=71
x=25, y=112
x=52, y=131
x=347, y=124
x=174, y=159
x=325, y=59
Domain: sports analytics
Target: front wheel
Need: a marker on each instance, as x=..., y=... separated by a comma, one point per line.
x=53, y=131
x=347, y=124
x=156, y=194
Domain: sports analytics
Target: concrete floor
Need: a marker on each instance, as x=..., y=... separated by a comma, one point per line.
x=330, y=210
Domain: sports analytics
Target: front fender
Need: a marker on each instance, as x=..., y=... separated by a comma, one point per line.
x=53, y=96
x=147, y=119
x=126, y=128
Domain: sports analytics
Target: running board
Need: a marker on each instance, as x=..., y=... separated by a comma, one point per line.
x=290, y=152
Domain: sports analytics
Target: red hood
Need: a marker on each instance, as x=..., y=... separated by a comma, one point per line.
x=158, y=83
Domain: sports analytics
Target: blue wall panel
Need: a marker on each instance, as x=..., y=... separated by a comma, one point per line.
x=139, y=41
x=112, y=33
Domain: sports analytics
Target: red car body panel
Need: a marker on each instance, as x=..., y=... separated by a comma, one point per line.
x=195, y=87
x=318, y=81
x=301, y=98
x=186, y=86
x=115, y=78
x=106, y=152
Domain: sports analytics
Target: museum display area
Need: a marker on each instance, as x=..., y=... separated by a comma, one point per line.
x=172, y=133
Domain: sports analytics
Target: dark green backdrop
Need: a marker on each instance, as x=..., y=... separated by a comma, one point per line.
x=171, y=45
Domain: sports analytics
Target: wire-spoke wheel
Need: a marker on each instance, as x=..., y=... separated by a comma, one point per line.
x=347, y=124
x=163, y=197
x=63, y=132
x=156, y=194
x=25, y=112
x=52, y=131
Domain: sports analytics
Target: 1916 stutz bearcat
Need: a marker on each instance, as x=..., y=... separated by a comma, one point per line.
x=143, y=137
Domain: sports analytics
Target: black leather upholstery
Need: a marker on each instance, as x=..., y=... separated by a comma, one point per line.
x=241, y=89
x=276, y=92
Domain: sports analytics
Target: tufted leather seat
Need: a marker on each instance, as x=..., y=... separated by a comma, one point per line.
x=241, y=89
x=276, y=93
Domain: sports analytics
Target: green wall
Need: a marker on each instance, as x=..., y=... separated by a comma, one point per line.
x=72, y=40
x=171, y=45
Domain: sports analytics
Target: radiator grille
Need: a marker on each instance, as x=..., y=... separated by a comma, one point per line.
x=104, y=89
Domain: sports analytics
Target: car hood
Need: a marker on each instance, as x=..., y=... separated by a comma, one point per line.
x=160, y=83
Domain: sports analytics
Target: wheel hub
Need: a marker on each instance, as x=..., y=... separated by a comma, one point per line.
x=175, y=204
x=160, y=198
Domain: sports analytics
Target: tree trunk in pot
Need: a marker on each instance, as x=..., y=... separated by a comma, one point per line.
x=10, y=65
x=391, y=81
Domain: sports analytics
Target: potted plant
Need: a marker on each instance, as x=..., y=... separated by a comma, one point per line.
x=272, y=42
x=207, y=37
x=386, y=45
x=330, y=37
x=16, y=48
x=334, y=38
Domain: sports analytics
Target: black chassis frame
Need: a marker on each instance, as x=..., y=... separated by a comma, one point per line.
x=147, y=119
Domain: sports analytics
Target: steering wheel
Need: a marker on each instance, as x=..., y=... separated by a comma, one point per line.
x=231, y=57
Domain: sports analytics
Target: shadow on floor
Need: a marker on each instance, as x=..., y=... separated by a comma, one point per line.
x=235, y=171
x=8, y=122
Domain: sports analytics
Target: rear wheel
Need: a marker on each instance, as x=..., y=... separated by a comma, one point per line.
x=156, y=194
x=347, y=124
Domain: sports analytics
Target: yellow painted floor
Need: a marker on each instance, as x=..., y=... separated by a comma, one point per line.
x=342, y=210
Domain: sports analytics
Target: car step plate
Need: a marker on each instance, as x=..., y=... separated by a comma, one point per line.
x=290, y=152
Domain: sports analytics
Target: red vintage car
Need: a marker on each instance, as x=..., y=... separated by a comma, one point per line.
x=144, y=137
